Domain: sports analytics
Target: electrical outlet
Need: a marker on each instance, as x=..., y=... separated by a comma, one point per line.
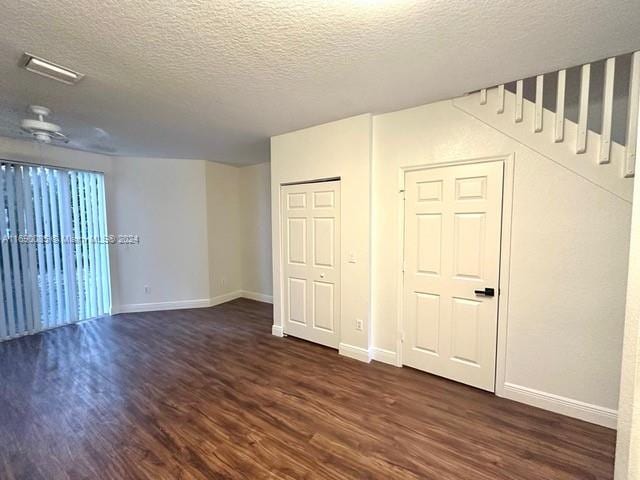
x=359, y=325
x=147, y=289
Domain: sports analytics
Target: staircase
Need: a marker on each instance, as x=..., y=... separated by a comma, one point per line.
x=584, y=118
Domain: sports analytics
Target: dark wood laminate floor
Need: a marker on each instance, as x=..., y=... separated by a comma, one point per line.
x=210, y=394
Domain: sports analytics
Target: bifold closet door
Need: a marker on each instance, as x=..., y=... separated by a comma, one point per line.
x=311, y=261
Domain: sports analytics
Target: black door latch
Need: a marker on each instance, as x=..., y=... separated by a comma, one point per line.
x=487, y=292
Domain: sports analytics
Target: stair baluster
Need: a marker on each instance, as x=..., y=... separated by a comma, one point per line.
x=519, y=102
x=607, y=111
x=583, y=113
x=500, y=99
x=537, y=121
x=603, y=150
x=632, y=117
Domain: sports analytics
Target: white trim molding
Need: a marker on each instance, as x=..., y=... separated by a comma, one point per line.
x=357, y=353
x=224, y=298
x=277, y=331
x=258, y=297
x=385, y=356
x=588, y=412
x=197, y=303
x=157, y=306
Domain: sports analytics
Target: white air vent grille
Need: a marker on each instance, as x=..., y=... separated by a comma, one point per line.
x=49, y=69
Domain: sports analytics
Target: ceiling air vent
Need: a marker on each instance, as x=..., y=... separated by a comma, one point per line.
x=49, y=69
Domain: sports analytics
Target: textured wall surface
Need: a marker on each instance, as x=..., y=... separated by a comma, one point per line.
x=202, y=79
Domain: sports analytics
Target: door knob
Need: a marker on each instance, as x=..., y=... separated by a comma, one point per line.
x=487, y=292
x=322, y=275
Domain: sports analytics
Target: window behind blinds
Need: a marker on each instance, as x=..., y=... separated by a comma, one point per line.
x=54, y=255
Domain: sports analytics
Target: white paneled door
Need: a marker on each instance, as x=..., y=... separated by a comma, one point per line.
x=311, y=261
x=452, y=259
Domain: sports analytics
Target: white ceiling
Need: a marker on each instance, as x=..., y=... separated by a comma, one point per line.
x=214, y=79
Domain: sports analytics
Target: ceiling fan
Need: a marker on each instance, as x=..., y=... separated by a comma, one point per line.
x=81, y=136
x=41, y=130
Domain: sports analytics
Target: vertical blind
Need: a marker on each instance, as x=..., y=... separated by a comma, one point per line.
x=54, y=250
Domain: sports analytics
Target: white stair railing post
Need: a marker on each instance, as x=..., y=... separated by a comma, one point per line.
x=607, y=110
x=583, y=114
x=559, y=124
x=632, y=117
x=519, y=102
x=537, y=123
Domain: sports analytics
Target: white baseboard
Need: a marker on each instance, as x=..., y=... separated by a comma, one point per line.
x=153, y=307
x=384, y=356
x=606, y=417
x=277, y=330
x=354, y=352
x=224, y=298
x=260, y=297
x=198, y=303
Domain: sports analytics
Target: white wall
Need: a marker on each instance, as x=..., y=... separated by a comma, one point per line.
x=338, y=149
x=255, y=205
x=569, y=249
x=628, y=445
x=568, y=255
x=164, y=202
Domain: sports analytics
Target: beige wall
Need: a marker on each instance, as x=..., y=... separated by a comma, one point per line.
x=628, y=446
x=239, y=231
x=255, y=204
x=224, y=223
x=339, y=149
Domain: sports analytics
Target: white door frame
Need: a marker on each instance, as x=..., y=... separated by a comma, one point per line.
x=278, y=330
x=505, y=257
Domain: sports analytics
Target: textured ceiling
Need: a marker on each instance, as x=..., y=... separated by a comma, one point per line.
x=214, y=79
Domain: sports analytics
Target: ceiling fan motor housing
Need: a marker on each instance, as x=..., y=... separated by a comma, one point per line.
x=41, y=130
